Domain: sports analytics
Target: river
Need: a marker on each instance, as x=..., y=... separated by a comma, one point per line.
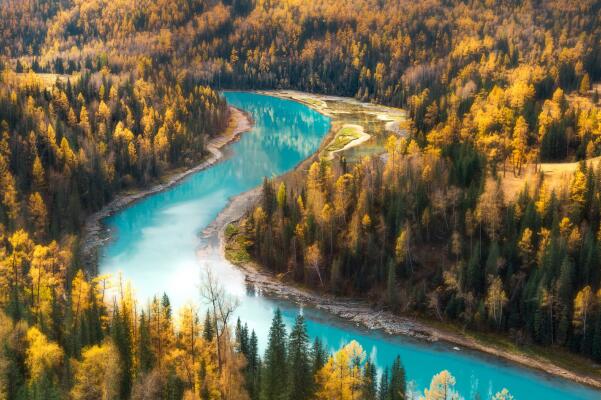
x=155, y=244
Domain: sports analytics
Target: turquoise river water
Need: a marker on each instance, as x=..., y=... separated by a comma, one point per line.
x=155, y=244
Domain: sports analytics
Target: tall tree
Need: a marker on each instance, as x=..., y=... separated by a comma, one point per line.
x=397, y=380
x=301, y=380
x=97, y=376
x=275, y=369
x=341, y=377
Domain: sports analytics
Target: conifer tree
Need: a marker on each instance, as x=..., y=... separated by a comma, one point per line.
x=301, y=385
x=397, y=380
x=145, y=356
x=319, y=356
x=275, y=369
x=207, y=332
x=121, y=335
x=253, y=368
x=370, y=385
x=384, y=388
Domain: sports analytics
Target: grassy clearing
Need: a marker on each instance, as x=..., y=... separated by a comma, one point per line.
x=236, y=245
x=556, y=175
x=41, y=79
x=344, y=137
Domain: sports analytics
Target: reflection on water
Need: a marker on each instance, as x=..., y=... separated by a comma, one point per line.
x=156, y=239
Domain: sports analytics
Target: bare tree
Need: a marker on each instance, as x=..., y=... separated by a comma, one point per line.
x=222, y=304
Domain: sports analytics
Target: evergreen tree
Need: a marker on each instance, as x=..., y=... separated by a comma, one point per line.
x=596, y=347
x=122, y=339
x=391, y=285
x=208, y=330
x=301, y=380
x=166, y=307
x=275, y=368
x=319, y=356
x=397, y=380
x=384, y=389
x=269, y=197
x=242, y=338
x=370, y=389
x=253, y=368
x=144, y=350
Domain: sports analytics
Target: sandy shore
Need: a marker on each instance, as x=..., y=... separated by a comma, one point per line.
x=95, y=233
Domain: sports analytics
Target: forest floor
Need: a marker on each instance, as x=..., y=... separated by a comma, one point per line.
x=95, y=233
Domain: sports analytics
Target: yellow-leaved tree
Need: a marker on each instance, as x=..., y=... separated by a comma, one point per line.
x=43, y=356
x=442, y=387
x=97, y=374
x=340, y=378
x=496, y=300
x=583, y=303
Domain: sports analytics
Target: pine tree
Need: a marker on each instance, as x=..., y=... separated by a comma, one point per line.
x=145, y=355
x=318, y=355
x=397, y=380
x=275, y=368
x=391, y=285
x=242, y=338
x=121, y=335
x=269, y=197
x=596, y=346
x=208, y=331
x=384, y=389
x=369, y=390
x=253, y=368
x=300, y=387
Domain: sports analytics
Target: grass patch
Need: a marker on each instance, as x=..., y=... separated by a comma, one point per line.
x=236, y=245
x=319, y=104
x=557, y=176
x=343, y=137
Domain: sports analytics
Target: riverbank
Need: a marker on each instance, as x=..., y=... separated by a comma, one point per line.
x=95, y=233
x=361, y=313
x=557, y=362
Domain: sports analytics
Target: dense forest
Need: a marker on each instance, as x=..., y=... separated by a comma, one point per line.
x=100, y=96
x=491, y=95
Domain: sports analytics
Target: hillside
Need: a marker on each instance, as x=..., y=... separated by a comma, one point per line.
x=447, y=217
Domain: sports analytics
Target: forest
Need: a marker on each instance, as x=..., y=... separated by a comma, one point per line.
x=98, y=97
